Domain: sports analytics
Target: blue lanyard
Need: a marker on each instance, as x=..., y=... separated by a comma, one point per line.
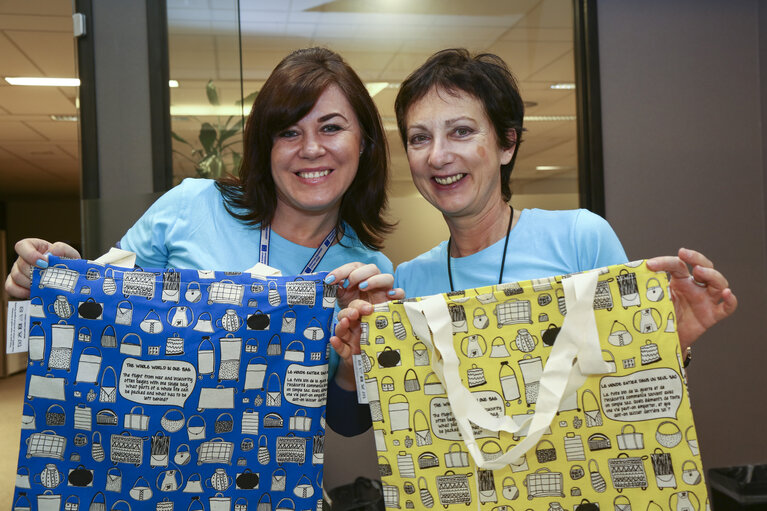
x=313, y=262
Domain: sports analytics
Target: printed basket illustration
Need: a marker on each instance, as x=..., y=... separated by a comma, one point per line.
x=544, y=483
x=453, y=488
x=627, y=472
x=216, y=450
x=139, y=283
x=125, y=448
x=226, y=291
x=46, y=444
x=59, y=277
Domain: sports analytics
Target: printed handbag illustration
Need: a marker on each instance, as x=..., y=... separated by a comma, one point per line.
x=149, y=389
x=574, y=396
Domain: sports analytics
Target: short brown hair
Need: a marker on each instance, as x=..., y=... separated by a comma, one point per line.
x=288, y=95
x=484, y=76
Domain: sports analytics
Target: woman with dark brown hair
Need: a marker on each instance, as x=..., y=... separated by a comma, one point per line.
x=310, y=196
x=460, y=117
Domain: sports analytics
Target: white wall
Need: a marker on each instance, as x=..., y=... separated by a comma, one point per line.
x=684, y=154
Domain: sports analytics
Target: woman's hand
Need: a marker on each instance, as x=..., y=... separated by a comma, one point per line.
x=33, y=252
x=701, y=298
x=346, y=341
x=358, y=281
x=359, y=286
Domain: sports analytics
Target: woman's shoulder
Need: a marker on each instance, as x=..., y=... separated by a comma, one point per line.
x=555, y=214
x=198, y=187
x=428, y=258
x=563, y=219
x=189, y=192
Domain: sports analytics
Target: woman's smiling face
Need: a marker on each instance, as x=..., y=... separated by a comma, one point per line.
x=315, y=160
x=454, y=154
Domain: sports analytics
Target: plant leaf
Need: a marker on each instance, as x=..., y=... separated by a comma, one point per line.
x=208, y=165
x=208, y=135
x=247, y=100
x=177, y=137
x=212, y=93
x=225, y=134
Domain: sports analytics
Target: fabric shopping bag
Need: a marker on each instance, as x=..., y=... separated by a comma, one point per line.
x=163, y=410
x=570, y=394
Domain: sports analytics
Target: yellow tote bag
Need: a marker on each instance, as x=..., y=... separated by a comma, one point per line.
x=559, y=393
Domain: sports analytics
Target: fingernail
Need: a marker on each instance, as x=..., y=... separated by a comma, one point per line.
x=346, y=283
x=363, y=285
x=41, y=263
x=391, y=292
x=330, y=279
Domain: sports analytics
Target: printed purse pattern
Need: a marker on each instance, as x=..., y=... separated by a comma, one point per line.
x=615, y=443
x=149, y=389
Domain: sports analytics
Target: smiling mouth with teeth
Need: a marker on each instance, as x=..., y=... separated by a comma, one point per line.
x=314, y=175
x=449, y=179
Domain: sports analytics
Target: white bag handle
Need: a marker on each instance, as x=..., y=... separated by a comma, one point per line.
x=561, y=377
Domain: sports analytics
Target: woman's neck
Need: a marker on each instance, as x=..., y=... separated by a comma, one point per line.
x=307, y=229
x=470, y=234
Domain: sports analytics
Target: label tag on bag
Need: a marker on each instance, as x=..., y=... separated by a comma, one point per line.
x=17, y=331
x=359, y=377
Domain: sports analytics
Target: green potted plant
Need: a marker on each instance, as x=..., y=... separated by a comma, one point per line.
x=217, y=153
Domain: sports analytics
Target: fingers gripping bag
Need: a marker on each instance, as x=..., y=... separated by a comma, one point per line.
x=567, y=393
x=175, y=401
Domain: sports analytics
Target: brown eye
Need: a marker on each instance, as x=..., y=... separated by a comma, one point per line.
x=463, y=131
x=287, y=134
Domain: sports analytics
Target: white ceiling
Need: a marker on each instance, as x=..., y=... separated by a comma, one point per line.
x=382, y=40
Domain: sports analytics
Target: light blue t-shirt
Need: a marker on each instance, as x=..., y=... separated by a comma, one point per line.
x=542, y=244
x=188, y=227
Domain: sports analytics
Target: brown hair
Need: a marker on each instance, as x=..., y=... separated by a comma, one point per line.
x=484, y=76
x=288, y=95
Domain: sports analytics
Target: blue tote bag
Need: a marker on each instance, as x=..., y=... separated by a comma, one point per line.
x=172, y=389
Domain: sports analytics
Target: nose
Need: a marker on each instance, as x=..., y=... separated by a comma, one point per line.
x=311, y=146
x=439, y=153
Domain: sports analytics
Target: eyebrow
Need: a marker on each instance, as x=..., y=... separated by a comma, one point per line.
x=448, y=122
x=329, y=116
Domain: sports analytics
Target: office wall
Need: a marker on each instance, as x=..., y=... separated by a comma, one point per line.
x=684, y=153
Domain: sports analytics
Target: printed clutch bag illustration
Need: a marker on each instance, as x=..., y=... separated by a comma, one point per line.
x=173, y=389
x=622, y=436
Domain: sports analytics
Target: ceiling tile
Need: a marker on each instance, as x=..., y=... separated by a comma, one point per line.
x=282, y=43
x=202, y=5
x=37, y=46
x=45, y=151
x=261, y=16
x=519, y=33
x=561, y=69
x=526, y=58
x=204, y=61
x=38, y=22
x=35, y=100
x=57, y=131
x=550, y=14
x=429, y=7
x=15, y=62
x=190, y=42
x=18, y=131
